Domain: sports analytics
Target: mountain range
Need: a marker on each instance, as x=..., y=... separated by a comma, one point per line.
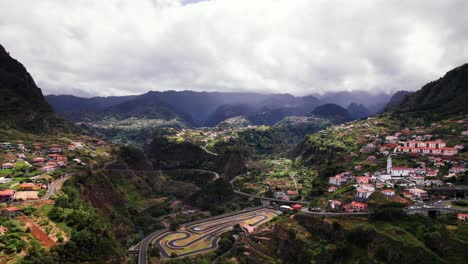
x=211, y=108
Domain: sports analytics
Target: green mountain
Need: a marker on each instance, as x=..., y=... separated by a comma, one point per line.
x=397, y=98
x=441, y=98
x=358, y=111
x=22, y=105
x=333, y=112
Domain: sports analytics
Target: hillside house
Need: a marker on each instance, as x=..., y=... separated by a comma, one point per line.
x=367, y=187
x=388, y=192
x=11, y=211
x=432, y=173
x=437, y=144
x=332, y=189
x=8, y=165
x=335, y=204
x=457, y=169
x=5, y=145
x=48, y=168
x=449, y=151
x=282, y=196
x=76, y=146
x=417, y=193
x=38, y=161
x=362, y=194
x=363, y=179
x=4, y=180
x=391, y=139
x=463, y=217
x=437, y=147
x=337, y=180
x=401, y=171
x=433, y=183
x=7, y=195
x=27, y=186
x=417, y=179
x=55, y=150
x=356, y=207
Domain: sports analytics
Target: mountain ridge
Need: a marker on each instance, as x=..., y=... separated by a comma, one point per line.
x=443, y=97
x=22, y=104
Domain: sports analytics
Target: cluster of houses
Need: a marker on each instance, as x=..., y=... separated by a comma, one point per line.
x=364, y=188
x=44, y=160
x=384, y=181
x=437, y=147
x=427, y=172
x=285, y=195
x=47, y=160
x=26, y=191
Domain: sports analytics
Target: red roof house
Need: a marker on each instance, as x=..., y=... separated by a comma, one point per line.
x=296, y=207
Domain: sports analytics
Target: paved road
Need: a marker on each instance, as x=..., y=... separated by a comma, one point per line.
x=208, y=151
x=143, y=252
x=433, y=204
x=53, y=187
x=51, y=191
x=130, y=170
x=440, y=209
x=261, y=197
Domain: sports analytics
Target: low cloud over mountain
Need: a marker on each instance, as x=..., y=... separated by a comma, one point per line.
x=90, y=48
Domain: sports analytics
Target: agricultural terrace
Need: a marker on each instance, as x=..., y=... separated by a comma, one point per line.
x=269, y=177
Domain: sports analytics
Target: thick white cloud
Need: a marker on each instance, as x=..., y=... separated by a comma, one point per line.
x=89, y=47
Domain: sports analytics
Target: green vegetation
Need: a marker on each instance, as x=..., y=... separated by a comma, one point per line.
x=412, y=239
x=13, y=239
x=91, y=238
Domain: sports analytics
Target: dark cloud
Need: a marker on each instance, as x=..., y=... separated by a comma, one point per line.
x=127, y=47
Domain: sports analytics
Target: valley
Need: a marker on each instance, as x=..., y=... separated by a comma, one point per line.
x=201, y=177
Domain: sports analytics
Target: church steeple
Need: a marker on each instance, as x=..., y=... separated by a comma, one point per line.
x=389, y=164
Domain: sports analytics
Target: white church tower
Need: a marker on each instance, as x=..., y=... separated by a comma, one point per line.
x=389, y=164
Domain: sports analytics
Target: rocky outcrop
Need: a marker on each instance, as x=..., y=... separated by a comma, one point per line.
x=22, y=105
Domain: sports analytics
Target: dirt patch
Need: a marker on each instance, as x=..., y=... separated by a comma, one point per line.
x=399, y=199
x=37, y=232
x=27, y=195
x=152, y=202
x=42, y=202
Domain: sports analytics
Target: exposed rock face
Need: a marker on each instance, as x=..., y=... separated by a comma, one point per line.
x=22, y=105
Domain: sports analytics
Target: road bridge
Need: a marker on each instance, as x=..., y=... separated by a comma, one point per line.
x=433, y=211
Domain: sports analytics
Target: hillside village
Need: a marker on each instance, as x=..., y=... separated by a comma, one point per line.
x=31, y=174
x=404, y=165
x=27, y=171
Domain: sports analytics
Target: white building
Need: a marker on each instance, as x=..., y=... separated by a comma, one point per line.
x=401, y=171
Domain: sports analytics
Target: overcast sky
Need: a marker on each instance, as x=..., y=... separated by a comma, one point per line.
x=90, y=48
